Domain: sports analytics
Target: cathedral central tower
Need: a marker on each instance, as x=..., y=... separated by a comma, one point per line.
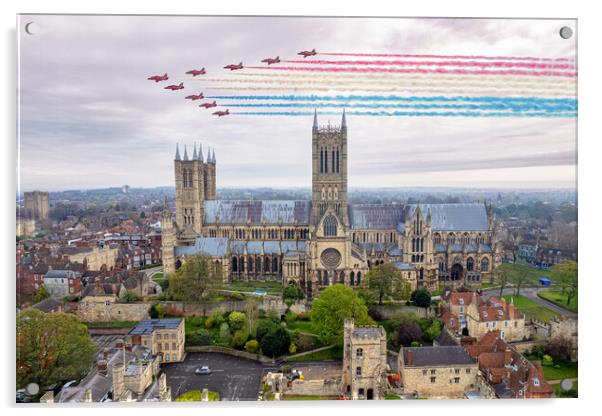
x=329, y=171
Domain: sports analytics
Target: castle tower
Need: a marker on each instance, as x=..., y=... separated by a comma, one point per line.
x=329, y=171
x=168, y=240
x=190, y=190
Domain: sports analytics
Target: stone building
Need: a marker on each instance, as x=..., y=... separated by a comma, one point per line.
x=364, y=361
x=565, y=327
x=325, y=240
x=446, y=372
x=25, y=227
x=466, y=313
x=93, y=257
x=36, y=205
x=165, y=337
x=61, y=283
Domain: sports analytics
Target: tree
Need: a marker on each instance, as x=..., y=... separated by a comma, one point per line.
x=252, y=346
x=432, y=329
x=157, y=311
x=566, y=275
x=197, y=276
x=292, y=292
x=276, y=342
x=252, y=313
x=237, y=320
x=51, y=348
x=385, y=280
x=131, y=297
x=264, y=327
x=330, y=309
x=41, y=294
x=421, y=297
x=408, y=333
x=515, y=274
x=239, y=338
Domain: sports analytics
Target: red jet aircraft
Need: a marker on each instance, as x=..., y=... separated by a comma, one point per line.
x=195, y=72
x=221, y=113
x=271, y=61
x=208, y=105
x=175, y=87
x=308, y=53
x=158, y=78
x=194, y=97
x=233, y=67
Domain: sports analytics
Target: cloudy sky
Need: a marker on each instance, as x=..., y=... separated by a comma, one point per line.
x=89, y=118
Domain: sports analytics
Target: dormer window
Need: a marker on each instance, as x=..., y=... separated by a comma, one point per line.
x=536, y=381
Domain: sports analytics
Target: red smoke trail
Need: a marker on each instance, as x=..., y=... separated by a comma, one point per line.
x=495, y=64
x=507, y=58
x=420, y=71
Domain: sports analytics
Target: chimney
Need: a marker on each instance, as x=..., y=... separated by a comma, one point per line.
x=118, y=383
x=105, y=354
x=128, y=347
x=409, y=363
x=97, y=285
x=511, y=311
x=88, y=396
x=102, y=367
x=119, y=343
x=507, y=356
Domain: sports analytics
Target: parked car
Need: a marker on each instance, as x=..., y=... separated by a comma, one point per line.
x=203, y=370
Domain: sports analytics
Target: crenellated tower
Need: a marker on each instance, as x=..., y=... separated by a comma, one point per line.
x=168, y=240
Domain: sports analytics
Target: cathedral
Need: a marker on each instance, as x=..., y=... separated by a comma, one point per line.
x=326, y=240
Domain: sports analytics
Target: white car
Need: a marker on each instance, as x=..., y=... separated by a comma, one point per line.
x=203, y=370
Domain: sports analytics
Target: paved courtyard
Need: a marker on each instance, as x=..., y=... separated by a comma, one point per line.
x=232, y=377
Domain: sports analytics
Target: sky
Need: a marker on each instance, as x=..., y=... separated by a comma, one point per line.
x=89, y=118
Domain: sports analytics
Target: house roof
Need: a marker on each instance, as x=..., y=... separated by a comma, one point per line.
x=439, y=355
x=147, y=326
x=210, y=246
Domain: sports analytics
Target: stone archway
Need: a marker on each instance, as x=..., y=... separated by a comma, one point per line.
x=457, y=272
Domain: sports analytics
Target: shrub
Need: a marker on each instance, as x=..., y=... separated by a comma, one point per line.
x=292, y=348
x=421, y=297
x=407, y=333
x=200, y=338
x=303, y=316
x=225, y=337
x=415, y=344
x=290, y=317
x=252, y=346
x=264, y=327
x=276, y=342
x=237, y=320
x=237, y=296
x=547, y=360
x=538, y=351
x=239, y=338
x=217, y=317
x=375, y=313
x=292, y=293
x=559, y=348
x=157, y=311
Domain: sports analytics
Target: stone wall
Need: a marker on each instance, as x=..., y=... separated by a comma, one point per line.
x=329, y=387
x=444, y=386
x=391, y=310
x=205, y=308
x=106, y=308
x=230, y=351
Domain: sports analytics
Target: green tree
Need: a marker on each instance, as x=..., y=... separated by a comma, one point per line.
x=514, y=274
x=40, y=295
x=330, y=309
x=264, y=327
x=131, y=297
x=237, y=320
x=197, y=276
x=252, y=313
x=386, y=281
x=252, y=346
x=51, y=348
x=276, y=342
x=292, y=292
x=566, y=276
x=421, y=297
x=157, y=311
x=239, y=338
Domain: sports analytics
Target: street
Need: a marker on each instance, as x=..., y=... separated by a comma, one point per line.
x=232, y=377
x=531, y=293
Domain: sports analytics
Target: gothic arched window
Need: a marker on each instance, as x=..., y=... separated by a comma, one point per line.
x=485, y=265
x=325, y=278
x=359, y=278
x=330, y=226
x=351, y=279
x=470, y=264
x=234, y=265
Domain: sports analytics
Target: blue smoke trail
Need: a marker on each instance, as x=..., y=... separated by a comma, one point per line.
x=378, y=98
x=414, y=113
x=492, y=106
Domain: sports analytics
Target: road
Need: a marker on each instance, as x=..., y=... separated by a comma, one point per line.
x=232, y=377
x=531, y=293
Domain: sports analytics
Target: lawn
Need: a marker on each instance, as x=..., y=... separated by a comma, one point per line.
x=112, y=324
x=195, y=396
x=158, y=278
x=567, y=370
x=253, y=285
x=301, y=326
x=531, y=309
x=329, y=354
x=389, y=396
x=573, y=392
x=558, y=298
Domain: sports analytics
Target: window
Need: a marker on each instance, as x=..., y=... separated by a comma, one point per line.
x=470, y=264
x=424, y=372
x=536, y=381
x=107, y=302
x=173, y=346
x=166, y=345
x=330, y=226
x=433, y=372
x=358, y=371
x=485, y=265
x=359, y=352
x=433, y=379
x=468, y=371
x=457, y=371
x=173, y=357
x=456, y=380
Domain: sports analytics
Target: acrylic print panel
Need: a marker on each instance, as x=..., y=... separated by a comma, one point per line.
x=266, y=208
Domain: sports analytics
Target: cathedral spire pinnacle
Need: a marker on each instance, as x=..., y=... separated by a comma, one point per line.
x=201, y=153
x=178, y=152
x=194, y=155
x=185, y=153
x=315, y=126
x=213, y=157
x=343, y=121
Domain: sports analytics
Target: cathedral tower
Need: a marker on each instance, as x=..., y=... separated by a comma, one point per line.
x=191, y=178
x=329, y=171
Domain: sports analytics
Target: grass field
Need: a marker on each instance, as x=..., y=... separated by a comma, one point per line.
x=567, y=370
x=389, y=396
x=301, y=326
x=558, y=298
x=195, y=396
x=558, y=392
x=158, y=277
x=531, y=309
